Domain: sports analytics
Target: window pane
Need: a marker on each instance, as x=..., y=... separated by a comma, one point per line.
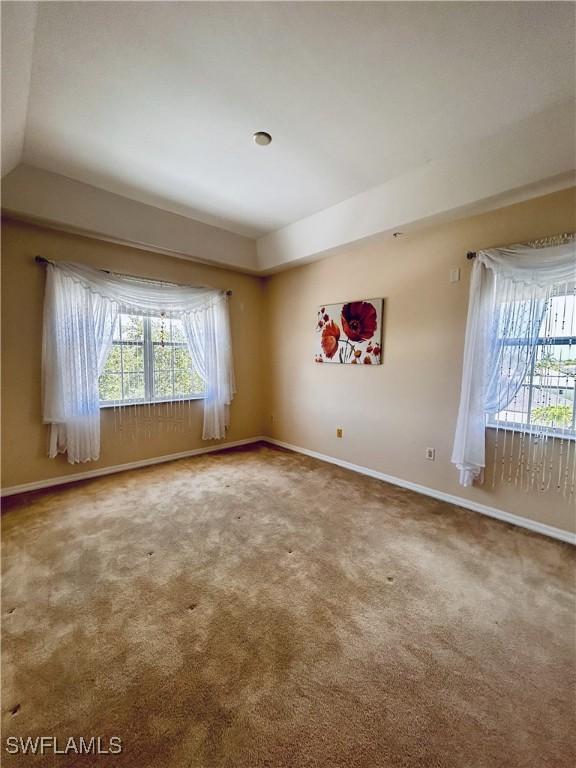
x=162, y=384
x=182, y=383
x=546, y=398
x=162, y=357
x=182, y=360
x=171, y=371
x=132, y=328
x=113, y=360
x=133, y=386
x=553, y=387
x=133, y=356
x=110, y=387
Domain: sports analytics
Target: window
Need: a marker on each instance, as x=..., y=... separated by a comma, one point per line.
x=148, y=362
x=545, y=400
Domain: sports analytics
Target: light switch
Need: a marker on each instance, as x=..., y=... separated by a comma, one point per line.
x=455, y=275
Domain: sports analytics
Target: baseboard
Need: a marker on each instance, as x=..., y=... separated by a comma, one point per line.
x=499, y=514
x=63, y=479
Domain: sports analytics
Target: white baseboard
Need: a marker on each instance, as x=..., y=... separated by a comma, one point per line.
x=499, y=514
x=63, y=479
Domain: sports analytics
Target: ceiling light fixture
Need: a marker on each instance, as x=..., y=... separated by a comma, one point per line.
x=262, y=138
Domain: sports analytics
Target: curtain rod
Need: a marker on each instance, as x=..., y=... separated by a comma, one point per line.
x=543, y=242
x=43, y=260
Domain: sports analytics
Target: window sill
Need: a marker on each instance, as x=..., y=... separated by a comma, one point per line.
x=532, y=432
x=150, y=402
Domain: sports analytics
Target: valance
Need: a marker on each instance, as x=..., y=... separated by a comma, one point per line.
x=81, y=308
x=140, y=294
x=538, y=267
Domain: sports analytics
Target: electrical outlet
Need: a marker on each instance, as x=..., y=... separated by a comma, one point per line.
x=431, y=454
x=339, y=432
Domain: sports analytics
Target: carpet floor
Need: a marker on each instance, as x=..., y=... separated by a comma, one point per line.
x=257, y=608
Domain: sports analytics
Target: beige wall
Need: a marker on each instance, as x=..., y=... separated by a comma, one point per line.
x=24, y=439
x=390, y=413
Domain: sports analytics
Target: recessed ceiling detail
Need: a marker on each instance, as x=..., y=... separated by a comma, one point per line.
x=389, y=113
x=154, y=101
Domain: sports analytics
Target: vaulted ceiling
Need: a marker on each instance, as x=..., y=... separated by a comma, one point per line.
x=366, y=103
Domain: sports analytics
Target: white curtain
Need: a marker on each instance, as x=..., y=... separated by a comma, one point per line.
x=80, y=310
x=78, y=327
x=214, y=367
x=509, y=291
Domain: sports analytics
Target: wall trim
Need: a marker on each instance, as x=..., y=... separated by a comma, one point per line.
x=475, y=506
x=64, y=479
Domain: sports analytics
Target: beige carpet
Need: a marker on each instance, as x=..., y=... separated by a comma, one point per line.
x=260, y=609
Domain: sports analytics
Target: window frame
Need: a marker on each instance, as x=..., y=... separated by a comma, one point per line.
x=147, y=345
x=561, y=433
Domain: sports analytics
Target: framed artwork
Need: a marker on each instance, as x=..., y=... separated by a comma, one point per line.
x=350, y=333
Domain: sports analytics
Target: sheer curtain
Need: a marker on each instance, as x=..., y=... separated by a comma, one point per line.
x=80, y=309
x=509, y=292
x=78, y=327
x=212, y=360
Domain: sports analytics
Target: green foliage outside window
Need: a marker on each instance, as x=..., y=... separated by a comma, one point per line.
x=172, y=375
x=553, y=415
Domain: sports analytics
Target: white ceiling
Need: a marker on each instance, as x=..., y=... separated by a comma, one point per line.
x=158, y=101
x=133, y=120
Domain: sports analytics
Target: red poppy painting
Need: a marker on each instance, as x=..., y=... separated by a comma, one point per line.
x=350, y=333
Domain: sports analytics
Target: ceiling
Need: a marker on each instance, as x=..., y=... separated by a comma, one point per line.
x=158, y=102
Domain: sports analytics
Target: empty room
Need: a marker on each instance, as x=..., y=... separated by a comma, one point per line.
x=287, y=387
